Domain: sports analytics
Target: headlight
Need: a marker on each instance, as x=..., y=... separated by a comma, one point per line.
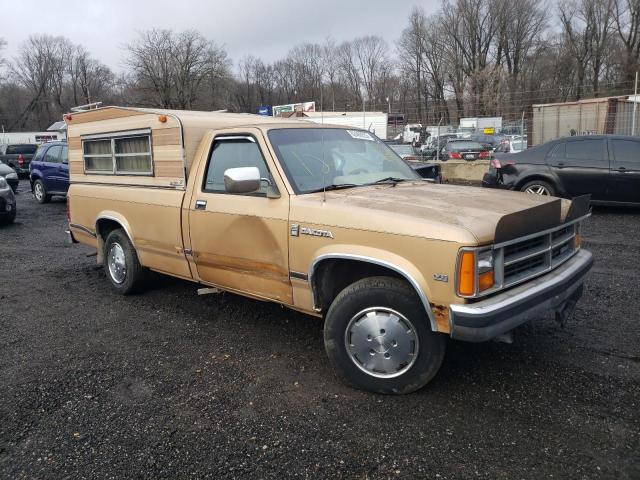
x=475, y=272
x=3, y=183
x=12, y=175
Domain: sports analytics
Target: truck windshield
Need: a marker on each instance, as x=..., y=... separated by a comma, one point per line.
x=315, y=158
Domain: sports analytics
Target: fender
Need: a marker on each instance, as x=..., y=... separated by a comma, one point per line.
x=382, y=258
x=116, y=217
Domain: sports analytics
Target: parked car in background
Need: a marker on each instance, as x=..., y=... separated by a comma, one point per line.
x=10, y=176
x=415, y=159
x=464, y=150
x=512, y=145
x=7, y=202
x=605, y=166
x=489, y=142
x=406, y=151
x=18, y=156
x=49, y=171
x=428, y=170
x=435, y=143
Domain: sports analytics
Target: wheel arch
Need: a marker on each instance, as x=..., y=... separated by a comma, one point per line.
x=358, y=267
x=106, y=222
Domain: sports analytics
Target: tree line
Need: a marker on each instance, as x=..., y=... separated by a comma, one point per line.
x=468, y=58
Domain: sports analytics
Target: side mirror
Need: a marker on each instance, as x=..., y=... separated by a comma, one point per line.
x=242, y=180
x=247, y=180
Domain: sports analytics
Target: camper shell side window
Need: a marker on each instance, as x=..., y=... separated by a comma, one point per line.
x=121, y=153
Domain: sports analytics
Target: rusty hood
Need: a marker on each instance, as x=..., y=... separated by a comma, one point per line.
x=447, y=212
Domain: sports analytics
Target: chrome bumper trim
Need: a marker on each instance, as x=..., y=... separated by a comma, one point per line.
x=485, y=319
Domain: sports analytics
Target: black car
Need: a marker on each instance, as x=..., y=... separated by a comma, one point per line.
x=489, y=142
x=431, y=171
x=605, y=166
x=18, y=156
x=464, y=149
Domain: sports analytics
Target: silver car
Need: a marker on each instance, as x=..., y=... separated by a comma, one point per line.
x=7, y=198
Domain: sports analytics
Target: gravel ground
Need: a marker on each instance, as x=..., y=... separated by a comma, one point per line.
x=171, y=385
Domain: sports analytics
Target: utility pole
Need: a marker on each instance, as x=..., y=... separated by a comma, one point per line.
x=438, y=141
x=364, y=120
x=635, y=106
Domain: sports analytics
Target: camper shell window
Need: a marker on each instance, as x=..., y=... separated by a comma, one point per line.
x=124, y=153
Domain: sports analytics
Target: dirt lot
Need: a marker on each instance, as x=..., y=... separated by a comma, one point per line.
x=171, y=385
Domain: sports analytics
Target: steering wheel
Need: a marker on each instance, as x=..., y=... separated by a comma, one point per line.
x=323, y=163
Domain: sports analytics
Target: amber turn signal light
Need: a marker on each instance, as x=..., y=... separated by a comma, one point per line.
x=162, y=119
x=485, y=281
x=466, y=274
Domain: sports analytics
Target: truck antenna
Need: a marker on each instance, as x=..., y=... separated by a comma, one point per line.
x=324, y=183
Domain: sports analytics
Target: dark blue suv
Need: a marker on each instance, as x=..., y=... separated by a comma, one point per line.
x=49, y=171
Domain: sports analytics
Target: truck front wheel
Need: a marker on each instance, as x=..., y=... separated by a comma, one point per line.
x=121, y=263
x=377, y=336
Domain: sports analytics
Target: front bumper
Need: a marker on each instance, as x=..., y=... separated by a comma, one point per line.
x=7, y=206
x=13, y=183
x=557, y=291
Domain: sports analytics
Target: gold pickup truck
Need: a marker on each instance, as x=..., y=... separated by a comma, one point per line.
x=326, y=220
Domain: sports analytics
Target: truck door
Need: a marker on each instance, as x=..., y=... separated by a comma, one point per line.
x=625, y=170
x=240, y=241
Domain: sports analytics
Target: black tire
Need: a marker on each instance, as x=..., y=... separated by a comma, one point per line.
x=9, y=219
x=134, y=273
x=539, y=185
x=397, y=295
x=39, y=192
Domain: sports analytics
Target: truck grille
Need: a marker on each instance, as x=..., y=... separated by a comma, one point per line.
x=521, y=259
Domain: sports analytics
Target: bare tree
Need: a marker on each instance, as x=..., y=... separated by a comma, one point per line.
x=89, y=79
x=521, y=25
x=171, y=68
x=473, y=26
x=40, y=68
x=627, y=24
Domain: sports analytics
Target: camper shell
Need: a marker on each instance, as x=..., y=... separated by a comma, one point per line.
x=175, y=137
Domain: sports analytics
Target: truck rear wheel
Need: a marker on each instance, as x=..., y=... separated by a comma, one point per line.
x=121, y=263
x=377, y=336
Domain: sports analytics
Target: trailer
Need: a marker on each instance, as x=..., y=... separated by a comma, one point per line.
x=607, y=115
x=375, y=122
x=29, y=137
x=488, y=125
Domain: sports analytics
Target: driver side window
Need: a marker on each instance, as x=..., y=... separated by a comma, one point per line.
x=233, y=153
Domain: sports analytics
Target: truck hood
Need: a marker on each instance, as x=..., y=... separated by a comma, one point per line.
x=446, y=212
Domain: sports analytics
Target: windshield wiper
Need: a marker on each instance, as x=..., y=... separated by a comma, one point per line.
x=334, y=186
x=390, y=180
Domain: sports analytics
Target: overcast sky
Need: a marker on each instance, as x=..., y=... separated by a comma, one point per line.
x=263, y=28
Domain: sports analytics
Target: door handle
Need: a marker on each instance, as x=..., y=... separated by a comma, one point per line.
x=560, y=165
x=201, y=204
x=622, y=169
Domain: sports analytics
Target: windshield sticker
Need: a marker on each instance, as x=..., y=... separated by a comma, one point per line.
x=360, y=135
